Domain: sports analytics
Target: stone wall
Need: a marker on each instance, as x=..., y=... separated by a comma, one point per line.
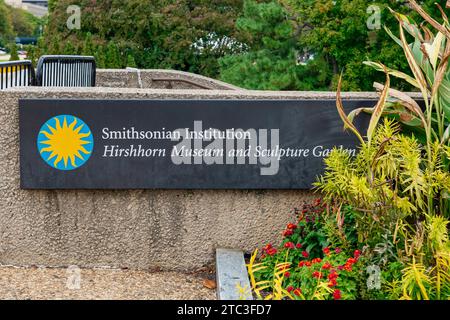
x=158, y=79
x=140, y=229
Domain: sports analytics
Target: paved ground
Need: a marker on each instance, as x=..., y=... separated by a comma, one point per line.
x=43, y=283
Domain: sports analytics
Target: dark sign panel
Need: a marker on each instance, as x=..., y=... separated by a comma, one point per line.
x=179, y=144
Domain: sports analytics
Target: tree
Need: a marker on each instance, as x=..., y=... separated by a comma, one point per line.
x=186, y=35
x=24, y=23
x=99, y=55
x=55, y=46
x=88, y=45
x=131, y=62
x=113, y=58
x=338, y=32
x=329, y=35
x=13, y=52
x=6, y=30
x=272, y=60
x=257, y=44
x=344, y=33
x=69, y=48
x=16, y=22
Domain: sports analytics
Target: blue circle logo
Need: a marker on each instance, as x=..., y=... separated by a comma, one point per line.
x=65, y=142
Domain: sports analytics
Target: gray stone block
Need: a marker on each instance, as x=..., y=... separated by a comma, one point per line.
x=232, y=275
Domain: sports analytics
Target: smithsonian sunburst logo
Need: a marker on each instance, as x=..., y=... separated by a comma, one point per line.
x=65, y=142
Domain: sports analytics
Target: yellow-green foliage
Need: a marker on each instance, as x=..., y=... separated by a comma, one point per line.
x=427, y=276
x=399, y=185
x=274, y=289
x=387, y=179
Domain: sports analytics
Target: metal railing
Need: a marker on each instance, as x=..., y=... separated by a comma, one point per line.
x=66, y=71
x=16, y=74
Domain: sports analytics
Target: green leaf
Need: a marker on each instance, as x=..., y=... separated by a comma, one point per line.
x=392, y=72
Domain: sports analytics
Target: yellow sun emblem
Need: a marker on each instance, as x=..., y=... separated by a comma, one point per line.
x=65, y=142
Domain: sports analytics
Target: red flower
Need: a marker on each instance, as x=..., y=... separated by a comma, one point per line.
x=326, y=251
x=292, y=226
x=308, y=263
x=337, y=294
x=290, y=289
x=316, y=260
x=287, y=274
x=271, y=251
x=298, y=245
x=289, y=245
x=333, y=275
x=263, y=256
x=305, y=254
x=356, y=254
x=301, y=264
x=338, y=250
x=287, y=233
x=351, y=261
x=298, y=292
x=317, y=274
x=326, y=266
x=332, y=283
